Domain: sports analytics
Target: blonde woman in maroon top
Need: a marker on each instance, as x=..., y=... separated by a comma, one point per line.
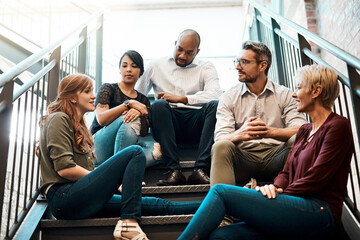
x=305, y=201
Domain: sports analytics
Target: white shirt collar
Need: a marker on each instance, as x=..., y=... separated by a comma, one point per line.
x=268, y=86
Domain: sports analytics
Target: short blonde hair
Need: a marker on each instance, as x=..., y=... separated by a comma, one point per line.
x=314, y=75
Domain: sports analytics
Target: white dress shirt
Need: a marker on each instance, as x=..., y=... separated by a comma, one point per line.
x=275, y=106
x=198, y=81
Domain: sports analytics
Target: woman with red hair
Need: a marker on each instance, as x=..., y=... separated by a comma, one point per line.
x=73, y=187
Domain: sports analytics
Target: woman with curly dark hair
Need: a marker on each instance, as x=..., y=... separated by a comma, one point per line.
x=122, y=114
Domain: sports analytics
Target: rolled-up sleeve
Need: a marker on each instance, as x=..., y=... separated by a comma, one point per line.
x=144, y=83
x=225, y=119
x=211, y=89
x=60, y=144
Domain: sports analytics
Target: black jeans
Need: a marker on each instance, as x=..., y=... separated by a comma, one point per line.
x=171, y=126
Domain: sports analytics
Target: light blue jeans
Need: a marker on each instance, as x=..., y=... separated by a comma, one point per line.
x=285, y=217
x=118, y=135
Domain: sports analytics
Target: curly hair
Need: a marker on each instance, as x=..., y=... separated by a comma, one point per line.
x=67, y=90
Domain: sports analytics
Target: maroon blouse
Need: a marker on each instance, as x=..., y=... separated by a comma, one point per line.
x=320, y=168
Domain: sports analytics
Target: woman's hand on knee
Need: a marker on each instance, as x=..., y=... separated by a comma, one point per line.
x=131, y=115
x=269, y=191
x=138, y=106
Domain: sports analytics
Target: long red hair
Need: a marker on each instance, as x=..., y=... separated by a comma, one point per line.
x=67, y=90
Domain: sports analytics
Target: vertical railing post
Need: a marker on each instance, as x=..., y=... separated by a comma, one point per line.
x=83, y=58
x=99, y=54
x=6, y=105
x=303, y=44
x=257, y=24
x=54, y=77
x=279, y=61
x=354, y=80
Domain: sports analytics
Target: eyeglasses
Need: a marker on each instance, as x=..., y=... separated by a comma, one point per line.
x=243, y=62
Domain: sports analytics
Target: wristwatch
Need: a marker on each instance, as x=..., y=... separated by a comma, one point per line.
x=127, y=103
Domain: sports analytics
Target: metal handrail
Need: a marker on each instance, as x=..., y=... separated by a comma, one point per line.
x=30, y=100
x=34, y=58
x=312, y=55
x=338, y=52
x=34, y=79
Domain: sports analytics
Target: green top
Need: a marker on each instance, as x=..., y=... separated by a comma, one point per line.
x=58, y=150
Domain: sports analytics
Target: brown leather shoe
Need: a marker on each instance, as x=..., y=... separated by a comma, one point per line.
x=175, y=177
x=199, y=177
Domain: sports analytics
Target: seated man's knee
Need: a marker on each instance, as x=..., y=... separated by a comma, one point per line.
x=222, y=146
x=213, y=103
x=289, y=143
x=222, y=151
x=159, y=104
x=212, y=106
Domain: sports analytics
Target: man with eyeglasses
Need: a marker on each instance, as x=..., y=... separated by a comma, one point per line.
x=187, y=90
x=256, y=120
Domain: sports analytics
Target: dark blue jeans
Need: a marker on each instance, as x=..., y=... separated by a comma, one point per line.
x=171, y=126
x=285, y=217
x=93, y=194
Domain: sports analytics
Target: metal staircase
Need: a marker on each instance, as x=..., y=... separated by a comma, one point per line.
x=24, y=214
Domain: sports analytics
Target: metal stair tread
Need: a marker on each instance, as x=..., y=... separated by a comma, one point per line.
x=101, y=222
x=175, y=189
x=183, y=164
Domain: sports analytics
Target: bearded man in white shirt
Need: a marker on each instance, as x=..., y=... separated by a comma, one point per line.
x=187, y=90
x=256, y=120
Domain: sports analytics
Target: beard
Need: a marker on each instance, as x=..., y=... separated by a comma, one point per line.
x=182, y=63
x=248, y=79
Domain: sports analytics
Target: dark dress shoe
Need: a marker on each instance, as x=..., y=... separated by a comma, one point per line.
x=199, y=177
x=175, y=177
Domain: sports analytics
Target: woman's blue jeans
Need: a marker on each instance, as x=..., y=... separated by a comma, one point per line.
x=285, y=217
x=118, y=135
x=93, y=194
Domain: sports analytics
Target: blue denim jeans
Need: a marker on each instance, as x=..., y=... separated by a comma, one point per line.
x=171, y=126
x=93, y=194
x=118, y=135
x=285, y=217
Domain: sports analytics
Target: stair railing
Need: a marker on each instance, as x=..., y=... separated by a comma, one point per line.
x=289, y=54
x=22, y=107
